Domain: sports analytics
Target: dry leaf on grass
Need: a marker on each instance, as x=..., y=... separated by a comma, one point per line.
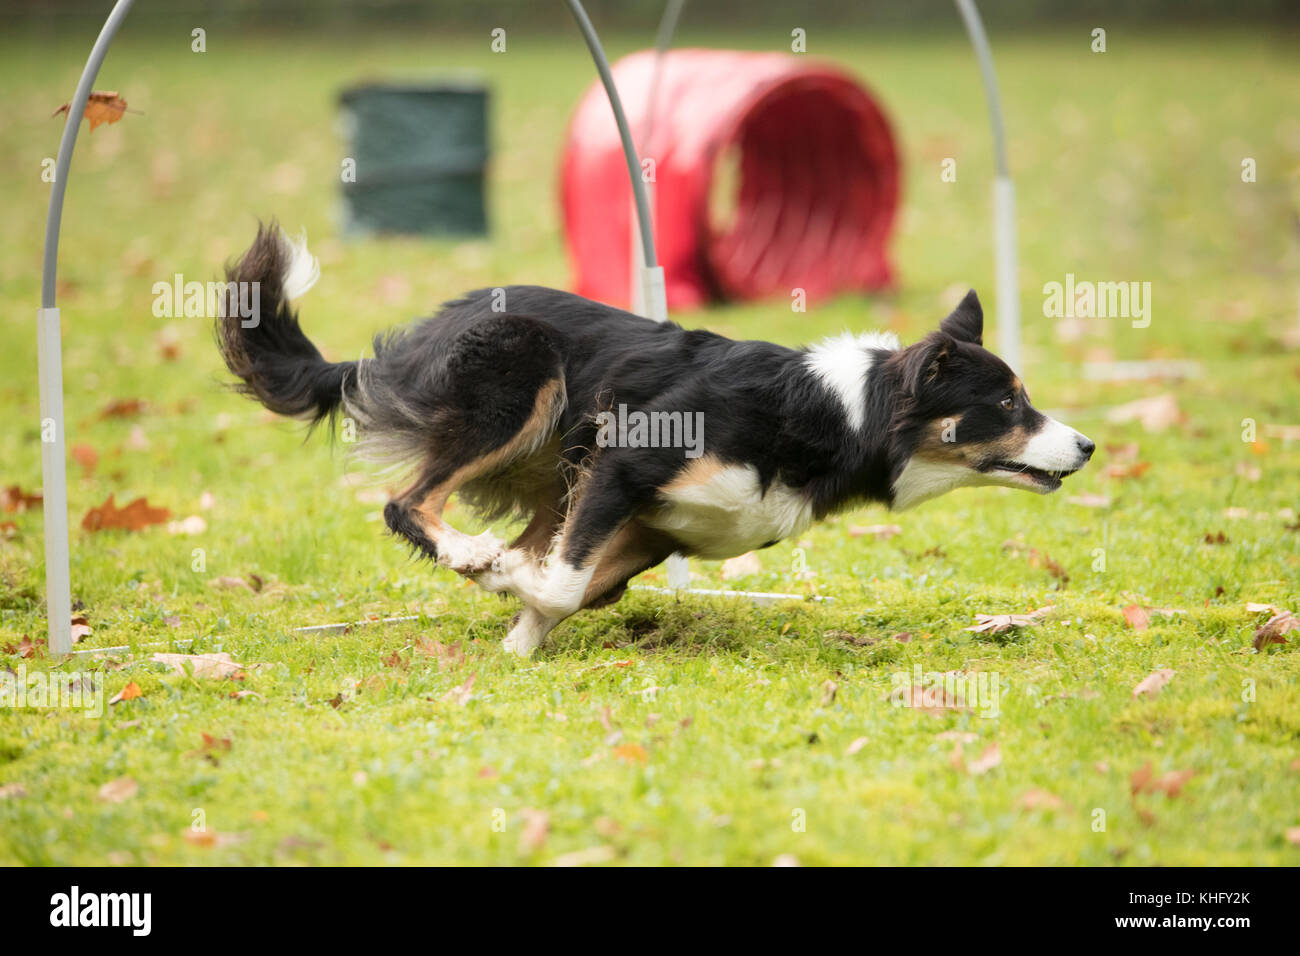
x=135, y=516
x=119, y=790
x=998, y=623
x=85, y=456
x=1153, y=682
x=1143, y=780
x=80, y=628
x=461, y=694
x=857, y=744
x=1282, y=622
x=1137, y=616
x=130, y=692
x=537, y=827
x=201, y=665
x=1040, y=800
x=1156, y=413
x=881, y=532
x=14, y=500
x=630, y=753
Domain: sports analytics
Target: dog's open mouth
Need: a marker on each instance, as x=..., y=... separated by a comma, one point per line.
x=1027, y=474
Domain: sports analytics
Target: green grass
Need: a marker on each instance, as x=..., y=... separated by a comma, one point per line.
x=1128, y=168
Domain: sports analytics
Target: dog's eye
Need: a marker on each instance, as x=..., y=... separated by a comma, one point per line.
x=1008, y=403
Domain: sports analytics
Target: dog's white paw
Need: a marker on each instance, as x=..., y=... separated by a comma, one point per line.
x=522, y=640
x=470, y=556
x=511, y=571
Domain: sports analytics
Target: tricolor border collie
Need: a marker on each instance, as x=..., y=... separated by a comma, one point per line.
x=505, y=397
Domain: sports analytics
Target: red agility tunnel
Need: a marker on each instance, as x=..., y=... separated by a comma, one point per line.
x=770, y=174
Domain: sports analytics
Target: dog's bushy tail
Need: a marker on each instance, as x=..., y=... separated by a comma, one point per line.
x=275, y=362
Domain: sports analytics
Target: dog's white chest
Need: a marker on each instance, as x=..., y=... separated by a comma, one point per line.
x=722, y=511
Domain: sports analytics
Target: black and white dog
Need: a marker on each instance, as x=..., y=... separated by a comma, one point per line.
x=506, y=396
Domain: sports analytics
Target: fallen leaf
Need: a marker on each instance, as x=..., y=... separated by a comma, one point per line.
x=857, y=744
x=102, y=106
x=829, y=690
x=989, y=758
x=122, y=408
x=1040, y=800
x=1087, y=500
x=998, y=623
x=1153, y=682
x=881, y=532
x=14, y=500
x=80, y=628
x=1134, y=470
x=1137, y=616
x=591, y=855
x=12, y=791
x=130, y=692
x=1272, y=630
x=1156, y=413
x=202, y=665
x=630, y=753
x=194, y=524
x=462, y=693
x=537, y=826
x=119, y=790
x=135, y=516
x=1292, y=835
x=449, y=655
x=85, y=456
x=1170, y=784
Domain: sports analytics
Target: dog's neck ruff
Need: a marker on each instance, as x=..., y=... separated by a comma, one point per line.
x=842, y=363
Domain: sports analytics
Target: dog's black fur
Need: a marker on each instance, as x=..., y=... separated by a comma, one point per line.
x=454, y=390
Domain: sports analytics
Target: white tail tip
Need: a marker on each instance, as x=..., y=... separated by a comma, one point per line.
x=303, y=269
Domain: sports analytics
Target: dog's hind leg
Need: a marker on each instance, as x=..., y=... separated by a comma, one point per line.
x=497, y=401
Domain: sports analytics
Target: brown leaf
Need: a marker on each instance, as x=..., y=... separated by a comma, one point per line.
x=14, y=500
x=1040, y=800
x=1137, y=616
x=998, y=623
x=1143, y=780
x=462, y=693
x=80, y=628
x=857, y=744
x=119, y=790
x=1153, y=682
x=1156, y=413
x=881, y=532
x=630, y=753
x=102, y=106
x=448, y=655
x=989, y=758
x=202, y=665
x=85, y=456
x=1134, y=470
x=537, y=826
x=1283, y=622
x=122, y=408
x=829, y=690
x=130, y=692
x=135, y=516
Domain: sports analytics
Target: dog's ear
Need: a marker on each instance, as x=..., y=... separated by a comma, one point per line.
x=966, y=324
x=925, y=361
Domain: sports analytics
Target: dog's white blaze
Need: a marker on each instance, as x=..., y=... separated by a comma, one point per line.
x=303, y=269
x=1054, y=447
x=842, y=362
x=921, y=480
x=729, y=514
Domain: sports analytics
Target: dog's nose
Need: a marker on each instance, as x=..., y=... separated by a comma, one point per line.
x=1086, y=446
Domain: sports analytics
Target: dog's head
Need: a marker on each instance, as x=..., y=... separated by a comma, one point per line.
x=964, y=418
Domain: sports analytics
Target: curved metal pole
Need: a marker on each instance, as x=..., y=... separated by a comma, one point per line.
x=54, y=463
x=653, y=295
x=663, y=40
x=1004, y=197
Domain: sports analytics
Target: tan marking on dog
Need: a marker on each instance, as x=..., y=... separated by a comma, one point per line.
x=699, y=471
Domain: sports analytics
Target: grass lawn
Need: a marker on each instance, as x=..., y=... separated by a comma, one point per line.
x=686, y=731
